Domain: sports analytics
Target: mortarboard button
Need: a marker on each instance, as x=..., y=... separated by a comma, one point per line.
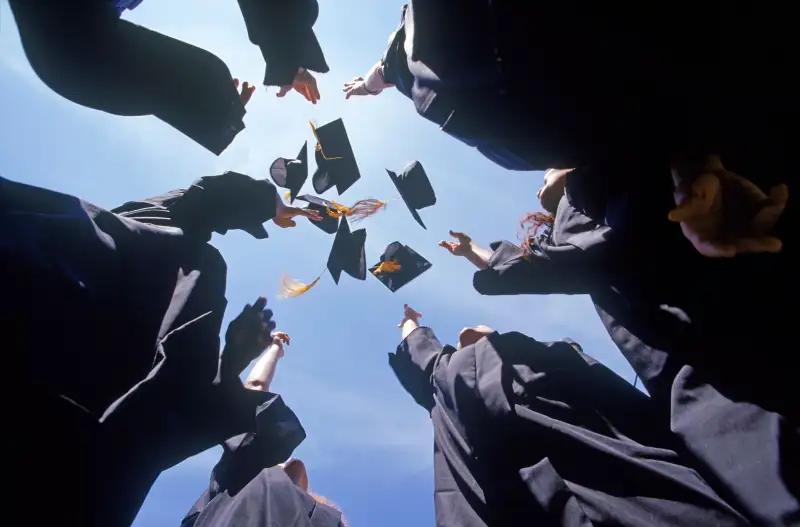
x=291, y=174
x=415, y=189
x=336, y=162
x=399, y=265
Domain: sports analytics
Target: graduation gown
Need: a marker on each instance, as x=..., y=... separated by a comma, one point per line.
x=115, y=350
x=542, y=434
x=712, y=361
x=85, y=53
x=247, y=489
x=547, y=85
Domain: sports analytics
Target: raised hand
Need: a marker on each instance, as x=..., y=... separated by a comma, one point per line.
x=305, y=84
x=248, y=335
x=284, y=215
x=246, y=93
x=461, y=247
x=355, y=87
x=723, y=214
x=279, y=338
x=409, y=314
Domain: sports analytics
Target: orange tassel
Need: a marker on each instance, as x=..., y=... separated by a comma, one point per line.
x=389, y=266
x=291, y=288
x=288, y=195
x=319, y=145
x=365, y=208
x=360, y=210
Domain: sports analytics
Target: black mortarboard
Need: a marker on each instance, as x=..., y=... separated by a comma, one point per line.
x=399, y=265
x=415, y=189
x=347, y=253
x=329, y=224
x=291, y=174
x=336, y=162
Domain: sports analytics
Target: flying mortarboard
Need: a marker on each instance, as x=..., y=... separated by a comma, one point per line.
x=291, y=173
x=336, y=162
x=330, y=222
x=415, y=189
x=399, y=265
x=347, y=255
x=360, y=210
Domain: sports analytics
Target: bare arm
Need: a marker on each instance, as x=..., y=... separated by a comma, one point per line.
x=260, y=377
x=464, y=246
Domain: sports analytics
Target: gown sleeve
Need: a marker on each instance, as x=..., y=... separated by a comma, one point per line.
x=277, y=434
x=414, y=362
x=512, y=271
x=283, y=31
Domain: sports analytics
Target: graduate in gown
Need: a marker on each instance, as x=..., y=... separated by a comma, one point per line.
x=707, y=345
x=141, y=273
x=527, y=432
x=251, y=485
x=533, y=86
x=86, y=53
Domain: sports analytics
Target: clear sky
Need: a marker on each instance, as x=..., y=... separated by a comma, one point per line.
x=369, y=447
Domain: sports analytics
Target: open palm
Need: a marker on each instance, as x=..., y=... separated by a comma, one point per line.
x=460, y=247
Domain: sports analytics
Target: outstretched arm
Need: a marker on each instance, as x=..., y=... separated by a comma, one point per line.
x=263, y=371
x=283, y=31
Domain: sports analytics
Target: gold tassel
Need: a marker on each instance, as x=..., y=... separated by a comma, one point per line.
x=337, y=210
x=319, y=144
x=389, y=266
x=288, y=195
x=365, y=208
x=360, y=210
x=291, y=288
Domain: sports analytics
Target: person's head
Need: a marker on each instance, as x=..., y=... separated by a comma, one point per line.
x=296, y=470
x=555, y=180
x=469, y=336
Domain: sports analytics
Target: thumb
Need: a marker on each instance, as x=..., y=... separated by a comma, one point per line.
x=283, y=91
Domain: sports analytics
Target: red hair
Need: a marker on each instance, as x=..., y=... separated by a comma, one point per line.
x=531, y=224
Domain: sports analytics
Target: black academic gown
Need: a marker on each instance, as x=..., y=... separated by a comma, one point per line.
x=707, y=344
x=85, y=53
x=114, y=322
x=537, y=433
x=535, y=86
x=247, y=489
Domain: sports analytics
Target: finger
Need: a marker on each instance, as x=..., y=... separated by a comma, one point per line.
x=259, y=304
x=715, y=249
x=704, y=190
x=752, y=190
x=282, y=91
x=767, y=244
x=267, y=314
x=779, y=194
x=236, y=83
x=315, y=91
x=458, y=235
x=270, y=328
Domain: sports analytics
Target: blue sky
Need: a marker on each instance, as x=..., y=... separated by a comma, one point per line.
x=369, y=447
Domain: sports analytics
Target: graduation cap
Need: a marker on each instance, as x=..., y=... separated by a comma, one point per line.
x=336, y=162
x=347, y=255
x=415, y=189
x=360, y=210
x=291, y=173
x=330, y=222
x=399, y=265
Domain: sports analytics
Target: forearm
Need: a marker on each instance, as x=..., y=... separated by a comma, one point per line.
x=374, y=82
x=263, y=371
x=478, y=256
x=408, y=327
